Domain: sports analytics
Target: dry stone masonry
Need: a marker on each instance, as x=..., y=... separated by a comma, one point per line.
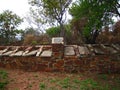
x=98, y=58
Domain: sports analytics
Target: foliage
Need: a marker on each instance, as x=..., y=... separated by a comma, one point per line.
x=31, y=39
x=8, y=26
x=53, y=31
x=53, y=10
x=65, y=83
x=90, y=84
x=98, y=14
x=42, y=86
x=31, y=31
x=3, y=79
x=110, y=36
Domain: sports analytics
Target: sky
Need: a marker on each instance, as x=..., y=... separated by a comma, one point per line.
x=19, y=7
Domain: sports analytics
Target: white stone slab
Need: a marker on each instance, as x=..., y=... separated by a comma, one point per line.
x=3, y=51
x=57, y=40
x=24, y=53
x=46, y=53
x=98, y=51
x=7, y=53
x=69, y=51
x=31, y=53
x=19, y=53
x=39, y=51
x=115, y=46
x=83, y=50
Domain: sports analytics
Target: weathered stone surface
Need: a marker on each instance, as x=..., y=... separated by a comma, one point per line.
x=19, y=53
x=100, y=63
x=69, y=51
x=59, y=64
x=116, y=47
x=3, y=51
x=57, y=47
x=98, y=51
x=39, y=51
x=111, y=50
x=83, y=50
x=7, y=53
x=31, y=53
x=47, y=53
x=24, y=53
x=57, y=40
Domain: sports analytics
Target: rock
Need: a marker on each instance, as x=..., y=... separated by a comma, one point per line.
x=57, y=40
x=19, y=53
x=46, y=53
x=83, y=50
x=24, y=53
x=31, y=53
x=7, y=53
x=116, y=47
x=98, y=51
x=39, y=51
x=69, y=51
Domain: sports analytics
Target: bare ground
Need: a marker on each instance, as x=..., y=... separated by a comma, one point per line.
x=22, y=80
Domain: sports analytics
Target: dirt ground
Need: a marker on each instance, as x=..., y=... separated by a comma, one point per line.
x=22, y=80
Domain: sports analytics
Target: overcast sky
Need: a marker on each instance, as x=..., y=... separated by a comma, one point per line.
x=20, y=7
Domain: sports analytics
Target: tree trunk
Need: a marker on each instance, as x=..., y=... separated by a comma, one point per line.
x=62, y=32
x=94, y=36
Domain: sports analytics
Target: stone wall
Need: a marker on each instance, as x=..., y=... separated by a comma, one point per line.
x=99, y=64
x=70, y=58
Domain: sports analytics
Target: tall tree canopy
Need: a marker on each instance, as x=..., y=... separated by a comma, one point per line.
x=53, y=10
x=8, y=26
x=98, y=14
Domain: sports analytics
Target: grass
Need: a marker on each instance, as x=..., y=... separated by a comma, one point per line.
x=90, y=84
x=42, y=86
x=69, y=83
x=3, y=79
x=65, y=83
x=57, y=81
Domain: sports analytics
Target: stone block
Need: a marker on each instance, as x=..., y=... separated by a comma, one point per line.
x=31, y=53
x=69, y=51
x=59, y=64
x=78, y=63
x=46, y=53
x=57, y=48
x=57, y=55
x=41, y=67
x=57, y=40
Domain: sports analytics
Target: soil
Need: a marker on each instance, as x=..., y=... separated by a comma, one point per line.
x=22, y=80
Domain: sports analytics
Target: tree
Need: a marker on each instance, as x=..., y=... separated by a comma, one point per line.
x=54, y=32
x=36, y=19
x=8, y=26
x=31, y=31
x=98, y=13
x=53, y=10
